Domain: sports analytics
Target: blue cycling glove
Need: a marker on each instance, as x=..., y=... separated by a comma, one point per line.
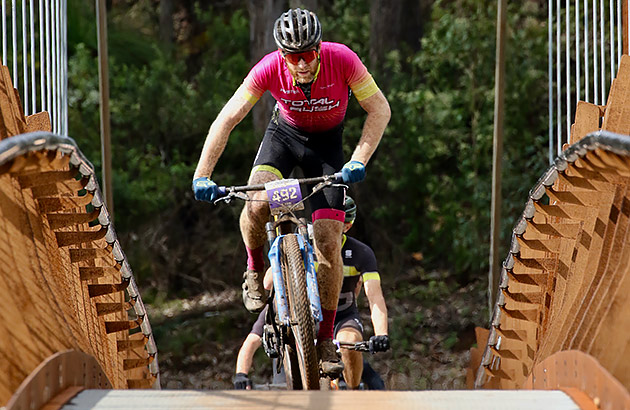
x=353, y=171
x=205, y=189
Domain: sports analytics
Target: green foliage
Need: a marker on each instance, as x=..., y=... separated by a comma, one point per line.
x=429, y=183
x=436, y=157
x=159, y=114
x=348, y=22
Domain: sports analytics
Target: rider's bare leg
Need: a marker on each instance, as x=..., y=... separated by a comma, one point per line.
x=330, y=271
x=352, y=360
x=253, y=218
x=327, y=234
x=255, y=214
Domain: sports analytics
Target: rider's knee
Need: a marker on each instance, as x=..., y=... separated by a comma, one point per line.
x=257, y=210
x=349, y=335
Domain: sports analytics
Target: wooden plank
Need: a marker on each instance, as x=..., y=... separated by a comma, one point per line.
x=576, y=369
x=10, y=105
x=38, y=122
x=9, y=124
x=625, y=24
x=59, y=188
x=580, y=282
x=617, y=116
x=612, y=338
x=610, y=272
x=79, y=255
x=587, y=120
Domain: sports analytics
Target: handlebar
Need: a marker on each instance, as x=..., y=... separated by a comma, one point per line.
x=334, y=178
x=363, y=346
x=227, y=193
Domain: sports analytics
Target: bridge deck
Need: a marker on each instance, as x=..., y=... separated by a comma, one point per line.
x=366, y=400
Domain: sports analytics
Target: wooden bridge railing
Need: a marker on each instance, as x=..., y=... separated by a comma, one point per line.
x=65, y=282
x=565, y=283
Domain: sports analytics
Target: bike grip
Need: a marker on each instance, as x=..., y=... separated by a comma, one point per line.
x=222, y=191
x=338, y=177
x=371, y=345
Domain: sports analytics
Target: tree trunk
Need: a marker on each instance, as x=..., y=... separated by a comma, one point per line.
x=166, y=22
x=304, y=4
x=394, y=23
x=262, y=16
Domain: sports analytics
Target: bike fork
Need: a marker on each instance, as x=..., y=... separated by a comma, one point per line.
x=311, y=278
x=278, y=283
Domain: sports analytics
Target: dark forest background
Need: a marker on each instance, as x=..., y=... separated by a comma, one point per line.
x=425, y=205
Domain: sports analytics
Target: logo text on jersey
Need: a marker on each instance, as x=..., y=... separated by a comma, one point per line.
x=290, y=91
x=315, y=104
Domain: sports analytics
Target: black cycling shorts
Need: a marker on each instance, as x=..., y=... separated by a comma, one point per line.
x=348, y=318
x=345, y=318
x=259, y=325
x=284, y=147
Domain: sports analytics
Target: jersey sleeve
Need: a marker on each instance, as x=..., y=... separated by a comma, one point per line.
x=257, y=81
x=359, y=79
x=367, y=265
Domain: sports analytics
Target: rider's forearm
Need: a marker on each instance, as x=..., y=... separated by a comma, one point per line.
x=213, y=148
x=232, y=113
x=246, y=353
x=378, y=116
x=379, y=316
x=378, y=308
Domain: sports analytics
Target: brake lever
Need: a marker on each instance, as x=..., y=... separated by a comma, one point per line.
x=230, y=196
x=227, y=199
x=328, y=183
x=321, y=186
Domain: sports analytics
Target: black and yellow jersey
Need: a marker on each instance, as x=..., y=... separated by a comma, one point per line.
x=359, y=262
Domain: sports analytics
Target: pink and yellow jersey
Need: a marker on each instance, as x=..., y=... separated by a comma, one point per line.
x=339, y=69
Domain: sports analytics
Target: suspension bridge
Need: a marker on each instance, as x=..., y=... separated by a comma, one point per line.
x=74, y=332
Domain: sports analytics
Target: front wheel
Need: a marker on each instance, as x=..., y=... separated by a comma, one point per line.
x=302, y=324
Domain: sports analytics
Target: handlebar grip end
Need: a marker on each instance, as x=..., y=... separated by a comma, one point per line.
x=338, y=177
x=222, y=191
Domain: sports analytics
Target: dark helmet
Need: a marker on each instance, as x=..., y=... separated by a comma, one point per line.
x=297, y=30
x=351, y=209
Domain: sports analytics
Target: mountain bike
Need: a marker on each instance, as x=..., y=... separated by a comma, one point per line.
x=294, y=305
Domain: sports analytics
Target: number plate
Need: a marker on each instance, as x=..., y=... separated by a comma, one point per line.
x=284, y=194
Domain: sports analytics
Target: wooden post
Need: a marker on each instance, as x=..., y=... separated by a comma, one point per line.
x=103, y=83
x=624, y=24
x=497, y=154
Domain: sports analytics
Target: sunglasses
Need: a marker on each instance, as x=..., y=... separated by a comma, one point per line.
x=308, y=56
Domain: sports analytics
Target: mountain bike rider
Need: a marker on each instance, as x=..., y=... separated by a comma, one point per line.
x=359, y=264
x=309, y=80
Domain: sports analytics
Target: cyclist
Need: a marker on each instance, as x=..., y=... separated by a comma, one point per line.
x=359, y=264
x=310, y=81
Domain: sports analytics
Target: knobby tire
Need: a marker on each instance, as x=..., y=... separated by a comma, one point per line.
x=291, y=367
x=300, y=310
